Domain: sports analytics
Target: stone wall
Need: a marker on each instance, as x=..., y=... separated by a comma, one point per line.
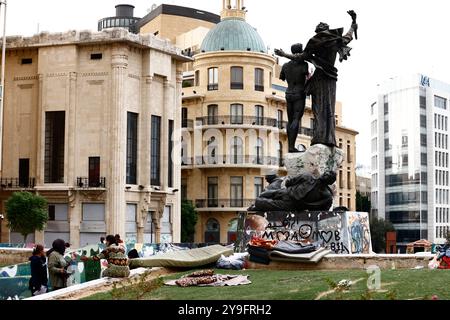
x=346, y=262
x=14, y=256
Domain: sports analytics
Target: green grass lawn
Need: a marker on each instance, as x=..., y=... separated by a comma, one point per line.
x=303, y=285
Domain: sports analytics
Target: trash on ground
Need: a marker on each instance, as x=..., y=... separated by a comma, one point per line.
x=207, y=278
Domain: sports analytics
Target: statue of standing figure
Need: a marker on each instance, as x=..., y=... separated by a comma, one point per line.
x=321, y=50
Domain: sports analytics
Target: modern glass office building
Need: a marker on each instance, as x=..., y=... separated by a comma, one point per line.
x=410, y=150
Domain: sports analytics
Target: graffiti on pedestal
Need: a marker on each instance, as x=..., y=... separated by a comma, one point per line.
x=342, y=233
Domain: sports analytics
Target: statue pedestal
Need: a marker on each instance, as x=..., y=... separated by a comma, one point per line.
x=341, y=232
x=309, y=185
x=316, y=160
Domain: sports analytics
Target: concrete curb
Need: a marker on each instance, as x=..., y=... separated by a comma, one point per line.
x=99, y=283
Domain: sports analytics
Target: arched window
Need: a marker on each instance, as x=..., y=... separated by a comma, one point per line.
x=183, y=151
x=212, y=151
x=213, y=79
x=237, y=113
x=259, y=79
x=184, y=117
x=232, y=230
x=197, y=78
x=237, y=151
x=213, y=112
x=212, y=232
x=259, y=151
x=237, y=78
x=259, y=115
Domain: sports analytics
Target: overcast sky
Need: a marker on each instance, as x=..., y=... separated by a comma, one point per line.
x=396, y=37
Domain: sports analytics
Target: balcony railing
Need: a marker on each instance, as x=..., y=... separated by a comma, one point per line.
x=237, y=85
x=231, y=160
x=213, y=87
x=241, y=120
x=186, y=123
x=16, y=183
x=259, y=87
x=248, y=121
x=306, y=131
x=87, y=183
x=223, y=203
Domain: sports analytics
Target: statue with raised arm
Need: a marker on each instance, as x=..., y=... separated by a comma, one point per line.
x=322, y=50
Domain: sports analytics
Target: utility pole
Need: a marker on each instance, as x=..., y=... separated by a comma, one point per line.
x=3, y=5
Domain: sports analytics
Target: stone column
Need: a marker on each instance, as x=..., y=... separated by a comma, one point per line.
x=72, y=111
x=176, y=207
x=156, y=218
x=40, y=149
x=167, y=88
x=115, y=215
x=145, y=132
x=144, y=156
x=75, y=208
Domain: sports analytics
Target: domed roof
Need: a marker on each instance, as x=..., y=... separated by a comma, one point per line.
x=233, y=34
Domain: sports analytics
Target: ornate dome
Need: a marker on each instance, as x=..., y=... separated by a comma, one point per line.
x=233, y=34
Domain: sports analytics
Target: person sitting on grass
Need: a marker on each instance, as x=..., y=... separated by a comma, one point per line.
x=116, y=257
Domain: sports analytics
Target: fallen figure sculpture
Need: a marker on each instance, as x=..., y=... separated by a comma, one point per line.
x=299, y=193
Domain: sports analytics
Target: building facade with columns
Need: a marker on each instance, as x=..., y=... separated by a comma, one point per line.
x=88, y=124
x=234, y=121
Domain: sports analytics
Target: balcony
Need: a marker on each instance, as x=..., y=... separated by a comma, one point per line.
x=259, y=87
x=213, y=87
x=306, y=131
x=223, y=203
x=241, y=120
x=238, y=161
x=186, y=123
x=87, y=183
x=237, y=86
x=17, y=183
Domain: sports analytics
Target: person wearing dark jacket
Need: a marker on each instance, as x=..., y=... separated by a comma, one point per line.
x=38, y=264
x=57, y=265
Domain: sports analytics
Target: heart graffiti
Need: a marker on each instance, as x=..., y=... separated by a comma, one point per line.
x=326, y=236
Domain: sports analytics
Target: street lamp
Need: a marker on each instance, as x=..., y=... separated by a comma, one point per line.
x=3, y=5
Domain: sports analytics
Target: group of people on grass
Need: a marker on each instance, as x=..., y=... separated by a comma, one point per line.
x=51, y=267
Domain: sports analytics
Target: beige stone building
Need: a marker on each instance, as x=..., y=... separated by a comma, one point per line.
x=363, y=185
x=88, y=119
x=234, y=119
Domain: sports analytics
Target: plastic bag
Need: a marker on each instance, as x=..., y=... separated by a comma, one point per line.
x=236, y=261
x=434, y=264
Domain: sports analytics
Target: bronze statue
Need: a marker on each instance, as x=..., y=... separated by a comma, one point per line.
x=295, y=73
x=322, y=50
x=302, y=192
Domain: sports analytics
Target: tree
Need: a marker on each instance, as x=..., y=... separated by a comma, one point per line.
x=26, y=213
x=362, y=203
x=378, y=229
x=189, y=219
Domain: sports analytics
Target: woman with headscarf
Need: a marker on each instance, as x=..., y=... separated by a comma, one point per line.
x=57, y=265
x=116, y=257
